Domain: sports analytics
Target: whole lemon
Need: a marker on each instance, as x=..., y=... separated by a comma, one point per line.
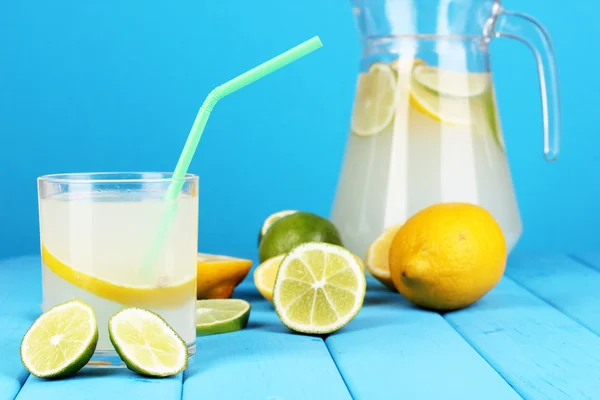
x=447, y=256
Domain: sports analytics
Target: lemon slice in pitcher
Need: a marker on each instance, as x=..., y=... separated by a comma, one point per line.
x=447, y=96
x=374, y=103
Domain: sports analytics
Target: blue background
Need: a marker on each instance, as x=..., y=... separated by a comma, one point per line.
x=114, y=85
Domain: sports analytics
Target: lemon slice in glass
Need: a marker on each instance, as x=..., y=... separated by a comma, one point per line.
x=374, y=104
x=319, y=288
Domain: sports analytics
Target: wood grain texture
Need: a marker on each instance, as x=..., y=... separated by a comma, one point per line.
x=92, y=384
x=264, y=361
x=394, y=350
x=541, y=352
x=568, y=285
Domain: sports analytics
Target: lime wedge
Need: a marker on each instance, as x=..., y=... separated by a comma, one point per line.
x=319, y=288
x=61, y=341
x=374, y=104
x=271, y=219
x=146, y=343
x=221, y=316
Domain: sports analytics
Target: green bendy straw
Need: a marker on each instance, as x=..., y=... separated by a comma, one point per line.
x=197, y=129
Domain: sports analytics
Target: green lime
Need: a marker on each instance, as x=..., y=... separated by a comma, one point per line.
x=271, y=219
x=221, y=316
x=146, y=343
x=319, y=288
x=61, y=341
x=296, y=229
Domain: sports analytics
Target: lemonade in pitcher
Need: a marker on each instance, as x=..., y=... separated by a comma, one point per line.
x=424, y=126
x=442, y=127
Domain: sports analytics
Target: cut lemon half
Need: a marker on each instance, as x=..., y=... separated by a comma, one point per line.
x=61, y=341
x=146, y=343
x=447, y=96
x=218, y=276
x=265, y=274
x=374, y=104
x=136, y=296
x=319, y=288
x=377, y=257
x=221, y=316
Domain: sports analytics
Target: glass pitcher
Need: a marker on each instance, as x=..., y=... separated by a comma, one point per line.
x=424, y=127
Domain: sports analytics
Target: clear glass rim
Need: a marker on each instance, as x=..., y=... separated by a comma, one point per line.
x=115, y=177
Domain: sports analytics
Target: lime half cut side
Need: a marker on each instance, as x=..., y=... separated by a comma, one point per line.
x=146, y=343
x=221, y=316
x=61, y=341
x=319, y=288
x=374, y=104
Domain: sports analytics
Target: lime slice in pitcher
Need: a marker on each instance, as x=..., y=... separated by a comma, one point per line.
x=374, y=102
x=61, y=341
x=447, y=96
x=146, y=343
x=451, y=83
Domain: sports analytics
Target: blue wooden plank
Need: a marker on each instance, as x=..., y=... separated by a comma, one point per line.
x=591, y=259
x=102, y=384
x=394, y=350
x=264, y=361
x=20, y=292
x=563, y=282
x=541, y=352
x=20, y=299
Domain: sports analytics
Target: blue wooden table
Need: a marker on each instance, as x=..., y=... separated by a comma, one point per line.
x=535, y=336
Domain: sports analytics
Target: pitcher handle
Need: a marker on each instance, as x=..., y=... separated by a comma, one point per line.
x=539, y=42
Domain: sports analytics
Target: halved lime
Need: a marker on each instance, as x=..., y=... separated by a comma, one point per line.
x=221, y=316
x=61, y=341
x=146, y=343
x=319, y=288
x=271, y=219
x=374, y=103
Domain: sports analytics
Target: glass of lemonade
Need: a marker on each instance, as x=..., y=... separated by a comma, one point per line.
x=103, y=242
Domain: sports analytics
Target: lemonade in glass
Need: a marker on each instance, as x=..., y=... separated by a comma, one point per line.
x=99, y=244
